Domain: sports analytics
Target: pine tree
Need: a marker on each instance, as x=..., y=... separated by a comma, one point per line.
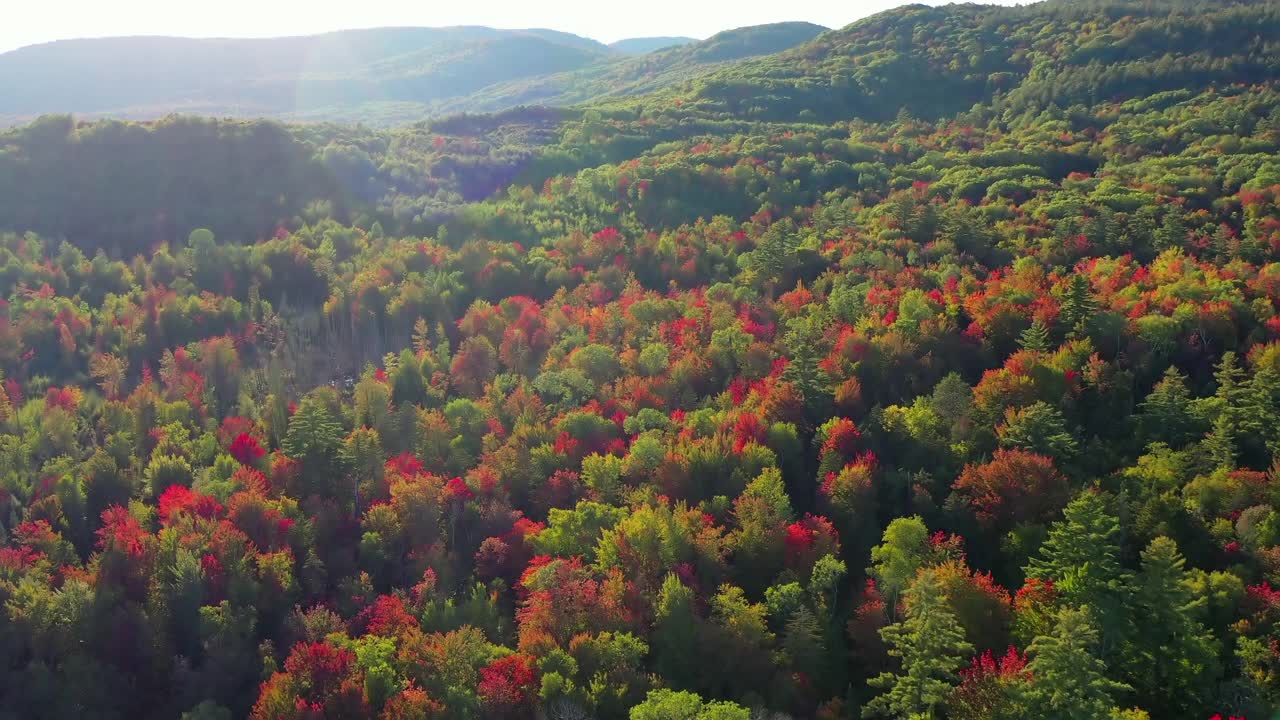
x=931, y=645
x=6, y=406
x=1232, y=391
x=1173, y=649
x=1078, y=305
x=315, y=438
x=1219, y=446
x=1261, y=417
x=1082, y=557
x=803, y=341
x=675, y=635
x=774, y=256
x=802, y=642
x=1172, y=232
x=1229, y=403
x=1067, y=681
x=1166, y=413
x=1035, y=338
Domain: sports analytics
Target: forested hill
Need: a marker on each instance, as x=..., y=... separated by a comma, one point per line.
x=929, y=369
x=939, y=61
x=640, y=46
x=661, y=70
x=377, y=77
x=301, y=76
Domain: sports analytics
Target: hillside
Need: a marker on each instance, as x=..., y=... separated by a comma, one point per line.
x=284, y=77
x=936, y=62
x=927, y=369
x=660, y=70
x=640, y=46
x=377, y=77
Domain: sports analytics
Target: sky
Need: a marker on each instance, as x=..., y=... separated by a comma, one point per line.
x=29, y=23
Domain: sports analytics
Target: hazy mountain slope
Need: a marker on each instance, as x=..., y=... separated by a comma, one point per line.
x=638, y=75
x=640, y=46
x=146, y=76
x=381, y=76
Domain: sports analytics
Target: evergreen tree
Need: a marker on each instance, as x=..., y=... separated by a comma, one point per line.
x=931, y=646
x=774, y=256
x=1038, y=428
x=803, y=341
x=1082, y=557
x=675, y=635
x=1230, y=397
x=1078, y=304
x=1172, y=232
x=1262, y=413
x=1035, y=338
x=1219, y=445
x=315, y=439
x=1172, y=649
x=1166, y=414
x=1067, y=681
x=407, y=383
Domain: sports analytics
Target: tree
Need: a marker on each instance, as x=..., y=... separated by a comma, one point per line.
x=675, y=634
x=1035, y=338
x=108, y=370
x=315, y=439
x=1015, y=487
x=407, y=384
x=896, y=561
x=1082, y=558
x=1068, y=682
x=1166, y=413
x=1038, y=428
x=803, y=341
x=672, y=705
x=931, y=647
x=1172, y=648
x=1078, y=304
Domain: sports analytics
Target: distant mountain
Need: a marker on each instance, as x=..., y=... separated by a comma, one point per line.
x=641, y=46
x=642, y=74
x=283, y=77
x=380, y=77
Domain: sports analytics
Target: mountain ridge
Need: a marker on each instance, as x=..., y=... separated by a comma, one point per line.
x=382, y=76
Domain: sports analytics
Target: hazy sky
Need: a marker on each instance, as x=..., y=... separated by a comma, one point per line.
x=28, y=23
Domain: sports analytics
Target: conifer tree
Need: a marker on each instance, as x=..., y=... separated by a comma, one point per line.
x=931, y=646
x=1068, y=682
x=1172, y=649
x=1035, y=338
x=1219, y=445
x=1078, y=305
x=1082, y=558
x=675, y=639
x=1166, y=412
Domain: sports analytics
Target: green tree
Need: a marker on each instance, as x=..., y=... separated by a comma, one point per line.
x=931, y=647
x=1035, y=337
x=1038, y=428
x=672, y=705
x=315, y=438
x=1172, y=649
x=895, y=562
x=1082, y=557
x=1068, y=682
x=1166, y=413
x=1078, y=304
x=675, y=634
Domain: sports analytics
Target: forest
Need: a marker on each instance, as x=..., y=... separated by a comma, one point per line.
x=929, y=369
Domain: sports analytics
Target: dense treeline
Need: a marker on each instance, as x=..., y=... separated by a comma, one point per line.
x=701, y=417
